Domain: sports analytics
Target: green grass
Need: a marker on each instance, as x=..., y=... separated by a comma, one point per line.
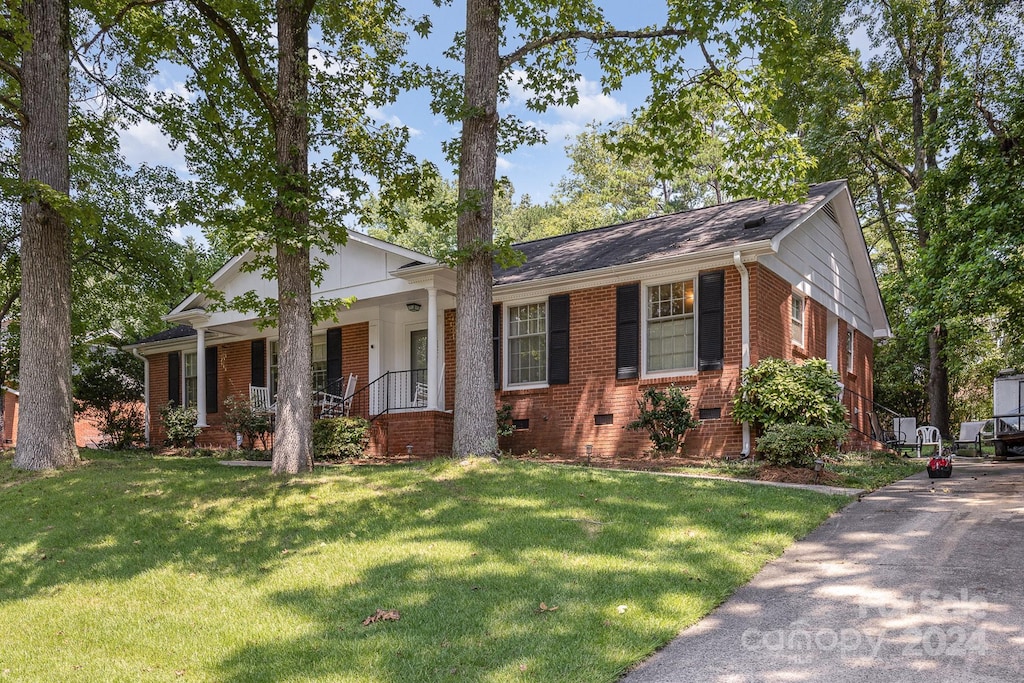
x=141, y=568
x=873, y=469
x=866, y=470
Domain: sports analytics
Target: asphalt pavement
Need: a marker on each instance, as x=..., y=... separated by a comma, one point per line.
x=922, y=580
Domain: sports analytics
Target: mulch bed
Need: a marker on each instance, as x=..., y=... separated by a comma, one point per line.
x=645, y=463
x=797, y=475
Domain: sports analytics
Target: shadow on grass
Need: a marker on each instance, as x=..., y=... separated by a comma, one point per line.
x=465, y=555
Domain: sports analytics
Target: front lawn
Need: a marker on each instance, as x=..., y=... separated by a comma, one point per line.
x=867, y=470
x=138, y=568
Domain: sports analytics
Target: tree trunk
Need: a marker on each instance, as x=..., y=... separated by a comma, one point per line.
x=475, y=423
x=46, y=428
x=938, y=380
x=293, y=433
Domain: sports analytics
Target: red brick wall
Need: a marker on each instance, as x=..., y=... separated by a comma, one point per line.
x=355, y=353
x=428, y=432
x=562, y=417
x=10, y=434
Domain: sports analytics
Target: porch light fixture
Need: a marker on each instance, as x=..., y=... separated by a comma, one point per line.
x=413, y=307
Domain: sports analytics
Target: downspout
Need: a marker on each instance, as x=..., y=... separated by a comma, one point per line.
x=744, y=332
x=145, y=388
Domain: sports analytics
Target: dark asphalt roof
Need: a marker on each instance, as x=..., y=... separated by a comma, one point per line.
x=176, y=332
x=650, y=239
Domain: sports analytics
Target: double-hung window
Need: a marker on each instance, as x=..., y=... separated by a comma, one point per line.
x=670, y=327
x=527, y=344
x=796, y=319
x=849, y=351
x=320, y=364
x=191, y=376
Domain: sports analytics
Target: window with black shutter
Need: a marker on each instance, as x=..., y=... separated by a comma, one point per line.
x=496, y=343
x=334, y=361
x=211, y=379
x=627, y=331
x=711, y=320
x=258, y=362
x=558, y=339
x=174, y=377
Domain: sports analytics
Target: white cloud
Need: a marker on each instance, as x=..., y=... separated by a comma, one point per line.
x=379, y=115
x=504, y=164
x=564, y=122
x=144, y=142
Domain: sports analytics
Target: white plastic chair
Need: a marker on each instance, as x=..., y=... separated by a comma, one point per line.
x=928, y=436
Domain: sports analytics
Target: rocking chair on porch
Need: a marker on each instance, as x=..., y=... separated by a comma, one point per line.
x=332, y=405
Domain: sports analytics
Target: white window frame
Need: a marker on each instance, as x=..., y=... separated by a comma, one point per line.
x=319, y=367
x=645, y=319
x=272, y=364
x=506, y=318
x=849, y=351
x=186, y=400
x=802, y=321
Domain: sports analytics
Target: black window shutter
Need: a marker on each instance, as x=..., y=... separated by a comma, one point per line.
x=174, y=377
x=627, y=331
x=558, y=339
x=211, y=379
x=711, y=320
x=259, y=363
x=496, y=343
x=334, y=361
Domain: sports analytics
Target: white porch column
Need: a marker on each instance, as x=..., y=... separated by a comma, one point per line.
x=432, y=361
x=201, y=377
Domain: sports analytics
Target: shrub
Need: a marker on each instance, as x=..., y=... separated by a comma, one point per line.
x=108, y=390
x=340, y=437
x=504, y=416
x=798, y=445
x=242, y=418
x=779, y=391
x=665, y=416
x=180, y=425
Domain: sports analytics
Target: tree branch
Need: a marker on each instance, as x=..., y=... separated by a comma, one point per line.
x=593, y=36
x=118, y=17
x=241, y=58
x=12, y=70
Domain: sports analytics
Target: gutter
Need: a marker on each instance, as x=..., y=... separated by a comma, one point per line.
x=745, y=332
x=145, y=387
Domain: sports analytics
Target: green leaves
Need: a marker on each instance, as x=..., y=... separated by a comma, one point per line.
x=777, y=391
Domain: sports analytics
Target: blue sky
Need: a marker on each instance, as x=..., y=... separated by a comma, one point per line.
x=533, y=170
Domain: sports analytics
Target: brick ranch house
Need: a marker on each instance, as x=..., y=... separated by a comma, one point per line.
x=588, y=322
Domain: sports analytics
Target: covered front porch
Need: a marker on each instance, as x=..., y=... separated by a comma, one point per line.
x=381, y=356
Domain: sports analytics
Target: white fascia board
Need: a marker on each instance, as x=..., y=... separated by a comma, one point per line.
x=854, y=235
x=192, y=299
x=435, y=275
x=788, y=230
x=630, y=272
x=389, y=247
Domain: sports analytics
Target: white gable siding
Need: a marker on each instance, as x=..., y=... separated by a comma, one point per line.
x=815, y=259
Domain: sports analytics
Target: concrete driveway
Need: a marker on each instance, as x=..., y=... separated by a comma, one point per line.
x=920, y=581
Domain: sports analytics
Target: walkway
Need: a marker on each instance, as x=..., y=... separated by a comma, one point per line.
x=920, y=581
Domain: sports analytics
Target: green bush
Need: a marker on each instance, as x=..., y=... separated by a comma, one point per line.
x=108, y=390
x=778, y=391
x=665, y=416
x=180, y=425
x=340, y=437
x=504, y=416
x=242, y=418
x=798, y=445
